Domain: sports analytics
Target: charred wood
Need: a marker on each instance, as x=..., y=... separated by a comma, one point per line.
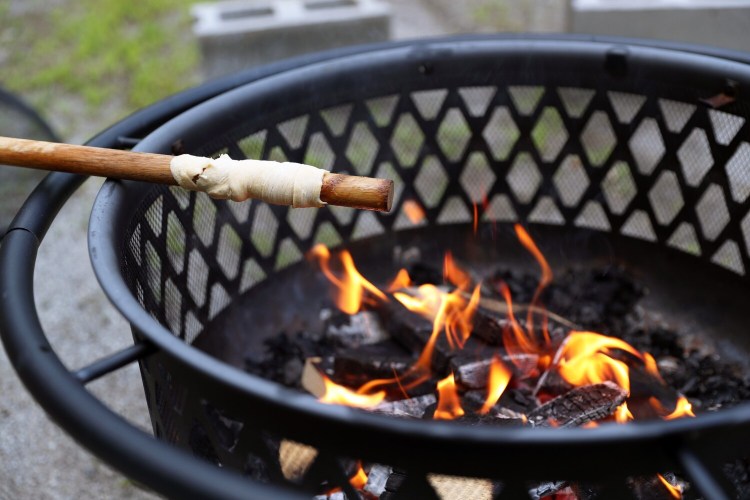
x=472, y=373
x=579, y=406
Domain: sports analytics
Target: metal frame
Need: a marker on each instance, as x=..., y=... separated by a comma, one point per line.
x=174, y=472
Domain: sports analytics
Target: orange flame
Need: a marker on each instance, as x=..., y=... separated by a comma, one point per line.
x=682, y=409
x=338, y=394
x=351, y=286
x=449, y=404
x=454, y=274
x=515, y=339
x=622, y=414
x=585, y=359
x=544, y=281
x=402, y=280
x=414, y=211
x=673, y=490
x=359, y=479
x=651, y=366
x=497, y=382
x=476, y=218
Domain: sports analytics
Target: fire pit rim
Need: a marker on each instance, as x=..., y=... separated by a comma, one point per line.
x=105, y=242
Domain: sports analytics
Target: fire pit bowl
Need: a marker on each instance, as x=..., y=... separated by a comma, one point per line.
x=608, y=151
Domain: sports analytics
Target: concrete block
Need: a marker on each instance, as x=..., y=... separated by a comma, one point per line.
x=235, y=35
x=719, y=23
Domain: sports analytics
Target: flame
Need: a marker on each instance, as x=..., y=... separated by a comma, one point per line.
x=351, y=286
x=585, y=359
x=449, y=404
x=454, y=274
x=673, y=490
x=622, y=414
x=414, y=211
x=338, y=394
x=544, y=281
x=497, y=382
x=476, y=218
x=402, y=280
x=651, y=366
x=682, y=409
x=515, y=339
x=359, y=479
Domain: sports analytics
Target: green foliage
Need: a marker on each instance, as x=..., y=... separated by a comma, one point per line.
x=104, y=49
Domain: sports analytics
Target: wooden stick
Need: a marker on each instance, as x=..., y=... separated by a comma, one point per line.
x=338, y=189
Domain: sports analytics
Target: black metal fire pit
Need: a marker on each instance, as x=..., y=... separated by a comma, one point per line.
x=609, y=151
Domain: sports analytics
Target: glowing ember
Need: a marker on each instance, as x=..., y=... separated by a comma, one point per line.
x=673, y=490
x=449, y=404
x=414, y=211
x=338, y=394
x=351, y=285
x=476, y=218
x=497, y=382
x=622, y=414
x=586, y=359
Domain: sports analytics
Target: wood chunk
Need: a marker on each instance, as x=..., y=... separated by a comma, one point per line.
x=413, y=331
x=354, y=367
x=490, y=326
x=376, y=479
x=412, y=407
x=579, y=406
x=363, y=328
x=472, y=373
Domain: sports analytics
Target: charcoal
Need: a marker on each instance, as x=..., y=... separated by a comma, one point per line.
x=489, y=326
x=413, y=331
x=377, y=478
x=473, y=401
x=738, y=473
x=422, y=274
x=355, y=330
x=473, y=373
x=395, y=481
x=579, y=406
x=283, y=358
x=384, y=360
x=412, y=407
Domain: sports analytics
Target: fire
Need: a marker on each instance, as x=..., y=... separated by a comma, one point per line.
x=454, y=274
x=682, y=409
x=586, y=359
x=673, y=490
x=449, y=404
x=622, y=414
x=402, y=280
x=338, y=394
x=351, y=285
x=544, y=281
x=359, y=479
x=414, y=211
x=497, y=382
x=476, y=218
x=515, y=339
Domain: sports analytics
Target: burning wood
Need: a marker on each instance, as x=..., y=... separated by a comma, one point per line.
x=579, y=406
x=474, y=373
x=411, y=407
x=355, y=330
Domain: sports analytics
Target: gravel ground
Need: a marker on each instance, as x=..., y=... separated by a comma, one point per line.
x=37, y=459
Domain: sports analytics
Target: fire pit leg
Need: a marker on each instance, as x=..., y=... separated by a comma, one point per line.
x=707, y=482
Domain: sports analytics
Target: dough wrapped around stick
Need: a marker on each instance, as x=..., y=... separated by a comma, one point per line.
x=287, y=183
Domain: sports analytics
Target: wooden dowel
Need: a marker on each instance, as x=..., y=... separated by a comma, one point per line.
x=338, y=189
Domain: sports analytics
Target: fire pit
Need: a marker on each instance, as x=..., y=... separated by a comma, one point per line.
x=605, y=159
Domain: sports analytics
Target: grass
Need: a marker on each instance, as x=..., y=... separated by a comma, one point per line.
x=99, y=52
